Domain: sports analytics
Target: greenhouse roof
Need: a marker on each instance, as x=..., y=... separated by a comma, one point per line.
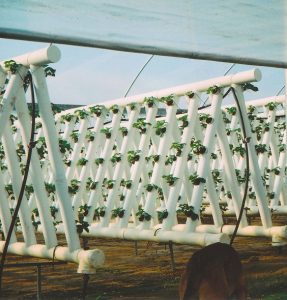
x=240, y=31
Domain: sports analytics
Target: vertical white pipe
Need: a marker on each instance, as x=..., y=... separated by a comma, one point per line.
x=16, y=178
x=36, y=173
x=56, y=162
x=8, y=101
x=254, y=166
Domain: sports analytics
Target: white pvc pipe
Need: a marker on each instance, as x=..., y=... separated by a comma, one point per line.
x=8, y=101
x=224, y=81
x=36, y=173
x=88, y=260
x=157, y=235
x=57, y=164
x=43, y=56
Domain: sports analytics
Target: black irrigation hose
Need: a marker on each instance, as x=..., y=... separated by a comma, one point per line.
x=22, y=190
x=245, y=141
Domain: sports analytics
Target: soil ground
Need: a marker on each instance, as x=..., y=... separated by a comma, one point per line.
x=146, y=274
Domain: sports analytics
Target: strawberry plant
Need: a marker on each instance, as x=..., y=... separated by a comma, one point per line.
x=107, y=131
x=168, y=100
x=150, y=101
x=160, y=127
x=141, y=125
x=142, y=215
x=213, y=90
x=178, y=147
x=196, y=180
x=188, y=211
x=82, y=162
x=97, y=110
x=170, y=179
x=133, y=156
x=117, y=157
x=99, y=161
x=162, y=215
x=74, y=186
x=118, y=212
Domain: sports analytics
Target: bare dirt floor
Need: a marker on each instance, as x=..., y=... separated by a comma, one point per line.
x=145, y=272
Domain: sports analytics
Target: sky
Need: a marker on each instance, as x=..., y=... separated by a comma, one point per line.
x=92, y=75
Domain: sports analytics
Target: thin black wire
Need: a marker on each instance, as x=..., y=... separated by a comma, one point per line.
x=283, y=87
x=22, y=190
x=245, y=140
x=135, y=79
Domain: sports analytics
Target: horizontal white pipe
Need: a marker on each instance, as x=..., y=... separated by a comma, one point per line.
x=262, y=101
x=88, y=260
x=252, y=211
x=279, y=231
x=223, y=81
x=40, y=57
x=156, y=235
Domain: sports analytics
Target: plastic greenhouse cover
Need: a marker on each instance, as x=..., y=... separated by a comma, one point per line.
x=242, y=31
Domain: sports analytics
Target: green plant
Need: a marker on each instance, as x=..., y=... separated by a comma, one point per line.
x=53, y=211
x=196, y=147
x=90, y=136
x=64, y=146
x=132, y=105
x=81, y=113
x=168, y=100
x=205, y=119
x=160, y=127
x=107, y=131
x=49, y=71
x=142, y=215
x=97, y=110
x=170, y=159
x=184, y=121
x=188, y=210
x=126, y=183
x=178, y=147
x=216, y=176
x=162, y=215
x=109, y=183
x=99, y=161
x=213, y=90
x=149, y=187
x=81, y=226
x=117, y=157
x=114, y=108
x=50, y=188
x=150, y=101
x=124, y=131
x=100, y=211
x=75, y=136
x=11, y=66
x=141, y=125
x=66, y=118
x=41, y=147
x=118, y=212
x=240, y=150
x=84, y=210
x=133, y=156
x=271, y=105
x=261, y=148
x=82, y=162
x=190, y=94
x=90, y=184
x=74, y=186
x=231, y=110
x=20, y=150
x=196, y=180
x=29, y=190
x=170, y=179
